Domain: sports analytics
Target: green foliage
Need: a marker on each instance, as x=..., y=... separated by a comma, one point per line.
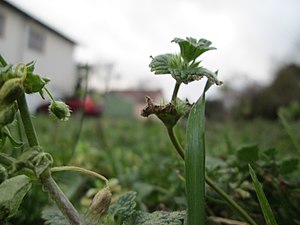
x=183, y=67
x=12, y=192
x=191, y=48
x=122, y=212
x=248, y=153
x=124, y=207
x=195, y=163
x=264, y=204
x=289, y=166
x=158, y=218
x=53, y=216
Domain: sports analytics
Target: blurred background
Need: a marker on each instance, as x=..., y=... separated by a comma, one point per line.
x=97, y=53
x=114, y=39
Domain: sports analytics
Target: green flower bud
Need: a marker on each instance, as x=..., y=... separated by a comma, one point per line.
x=3, y=173
x=100, y=204
x=7, y=114
x=11, y=90
x=60, y=110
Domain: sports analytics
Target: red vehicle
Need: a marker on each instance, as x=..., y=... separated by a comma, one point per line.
x=77, y=105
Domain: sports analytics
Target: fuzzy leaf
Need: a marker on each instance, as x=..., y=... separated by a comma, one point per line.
x=12, y=192
x=191, y=73
x=124, y=206
x=192, y=48
x=158, y=218
x=160, y=64
x=53, y=216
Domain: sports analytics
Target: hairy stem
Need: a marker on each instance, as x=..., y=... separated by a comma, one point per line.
x=26, y=119
x=175, y=91
x=175, y=142
x=61, y=200
x=212, y=184
x=47, y=181
x=79, y=169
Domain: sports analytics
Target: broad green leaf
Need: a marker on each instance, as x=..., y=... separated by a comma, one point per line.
x=248, y=153
x=12, y=192
x=192, y=48
x=160, y=64
x=195, y=164
x=263, y=201
x=289, y=166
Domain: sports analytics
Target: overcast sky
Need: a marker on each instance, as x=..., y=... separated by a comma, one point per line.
x=252, y=37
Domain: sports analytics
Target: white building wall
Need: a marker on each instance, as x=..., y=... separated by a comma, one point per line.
x=55, y=61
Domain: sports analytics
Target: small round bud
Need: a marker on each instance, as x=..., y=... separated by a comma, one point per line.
x=60, y=110
x=100, y=203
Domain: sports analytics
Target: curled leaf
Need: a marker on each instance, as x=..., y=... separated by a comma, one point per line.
x=34, y=83
x=191, y=48
x=160, y=64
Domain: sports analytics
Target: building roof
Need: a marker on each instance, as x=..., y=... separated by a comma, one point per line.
x=32, y=18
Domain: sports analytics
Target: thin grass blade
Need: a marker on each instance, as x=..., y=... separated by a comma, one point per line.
x=263, y=201
x=289, y=131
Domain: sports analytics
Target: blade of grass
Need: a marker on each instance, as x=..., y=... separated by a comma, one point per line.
x=289, y=131
x=195, y=164
x=263, y=201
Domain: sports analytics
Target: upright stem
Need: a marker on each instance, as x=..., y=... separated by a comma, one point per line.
x=175, y=91
x=212, y=184
x=61, y=200
x=175, y=142
x=47, y=181
x=26, y=119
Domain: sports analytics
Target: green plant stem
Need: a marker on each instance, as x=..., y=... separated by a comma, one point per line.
x=175, y=142
x=212, y=184
x=175, y=91
x=61, y=200
x=47, y=181
x=230, y=201
x=79, y=169
x=26, y=119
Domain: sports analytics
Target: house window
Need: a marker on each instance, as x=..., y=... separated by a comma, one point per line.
x=36, y=40
x=2, y=21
